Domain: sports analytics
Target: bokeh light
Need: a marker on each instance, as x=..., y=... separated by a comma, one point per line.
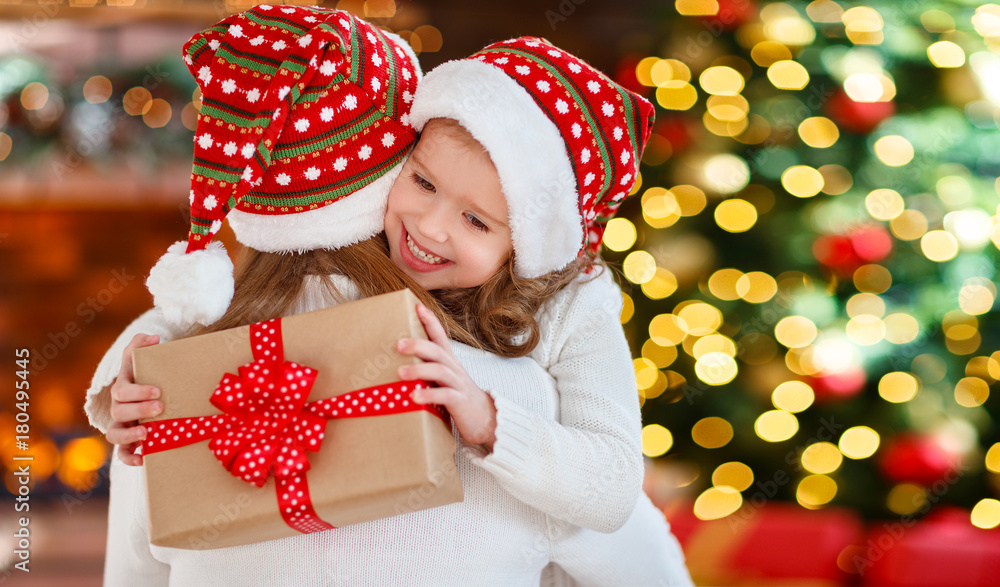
x=712, y=432
x=859, y=442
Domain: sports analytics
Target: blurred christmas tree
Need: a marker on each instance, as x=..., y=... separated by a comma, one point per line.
x=813, y=247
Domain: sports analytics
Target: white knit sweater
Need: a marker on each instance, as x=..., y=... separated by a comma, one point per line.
x=565, y=464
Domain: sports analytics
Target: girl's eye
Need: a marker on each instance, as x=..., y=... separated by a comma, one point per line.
x=476, y=223
x=423, y=183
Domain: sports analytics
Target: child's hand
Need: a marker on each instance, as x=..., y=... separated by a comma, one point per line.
x=129, y=403
x=470, y=407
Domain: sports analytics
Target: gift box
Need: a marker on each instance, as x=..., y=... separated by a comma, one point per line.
x=293, y=425
x=942, y=549
x=771, y=544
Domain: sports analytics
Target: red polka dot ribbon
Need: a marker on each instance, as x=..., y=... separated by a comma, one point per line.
x=267, y=427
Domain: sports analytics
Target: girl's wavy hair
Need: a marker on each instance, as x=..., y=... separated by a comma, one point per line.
x=269, y=284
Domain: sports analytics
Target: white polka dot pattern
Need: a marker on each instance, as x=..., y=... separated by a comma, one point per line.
x=268, y=427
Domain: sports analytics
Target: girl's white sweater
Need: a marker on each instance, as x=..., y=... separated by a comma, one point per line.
x=561, y=483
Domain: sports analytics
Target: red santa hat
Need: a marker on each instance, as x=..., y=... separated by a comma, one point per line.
x=303, y=128
x=565, y=139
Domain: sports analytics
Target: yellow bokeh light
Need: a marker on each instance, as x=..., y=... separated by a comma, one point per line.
x=901, y=328
x=906, y=498
x=656, y=440
x=713, y=343
x=993, y=458
x=628, y=308
x=725, y=173
x=793, y=396
x=822, y=458
x=865, y=330
x=986, y=514
x=815, y=491
x=898, y=387
x=660, y=355
x=158, y=114
x=863, y=25
x=645, y=372
x=836, y=179
x=699, y=318
x=767, y=53
x=717, y=502
x=697, y=7
x=667, y=329
x=937, y=21
x=971, y=392
x=715, y=368
x=735, y=215
x=788, y=75
x=819, y=132
x=662, y=285
x=691, y=199
x=884, y=204
x=639, y=267
x=776, y=425
x=826, y=11
x=865, y=303
x=733, y=474
x=859, y=442
x=802, y=181
x=712, y=432
x=939, y=246
x=34, y=96
x=723, y=282
x=946, y=54
x=643, y=71
x=721, y=80
x=660, y=208
x=756, y=287
x=430, y=38
x=786, y=27
x=872, y=278
x=909, y=225
x=795, y=332
x=97, y=89
x=987, y=20
x=6, y=145
x=869, y=87
x=976, y=298
x=894, y=150
x=676, y=95
x=619, y=235
x=728, y=108
x=137, y=101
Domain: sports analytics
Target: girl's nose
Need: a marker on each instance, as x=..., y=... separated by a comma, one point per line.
x=432, y=224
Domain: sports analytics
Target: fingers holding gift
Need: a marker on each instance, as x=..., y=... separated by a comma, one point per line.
x=425, y=350
x=138, y=341
x=130, y=411
x=440, y=374
x=127, y=437
x=435, y=331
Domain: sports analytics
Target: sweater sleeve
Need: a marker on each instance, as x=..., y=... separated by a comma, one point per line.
x=585, y=466
x=98, y=404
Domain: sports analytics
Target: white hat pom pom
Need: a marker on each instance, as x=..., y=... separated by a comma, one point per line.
x=192, y=287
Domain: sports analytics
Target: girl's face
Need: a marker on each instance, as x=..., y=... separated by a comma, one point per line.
x=446, y=219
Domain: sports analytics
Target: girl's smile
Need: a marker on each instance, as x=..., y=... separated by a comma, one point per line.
x=446, y=219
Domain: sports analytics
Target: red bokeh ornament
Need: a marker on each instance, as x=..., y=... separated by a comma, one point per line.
x=920, y=459
x=857, y=117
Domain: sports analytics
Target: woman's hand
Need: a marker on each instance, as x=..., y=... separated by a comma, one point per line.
x=471, y=408
x=129, y=403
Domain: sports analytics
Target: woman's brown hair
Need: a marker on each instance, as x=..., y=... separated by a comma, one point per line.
x=267, y=285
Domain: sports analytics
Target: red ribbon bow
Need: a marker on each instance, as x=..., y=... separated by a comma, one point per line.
x=267, y=426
